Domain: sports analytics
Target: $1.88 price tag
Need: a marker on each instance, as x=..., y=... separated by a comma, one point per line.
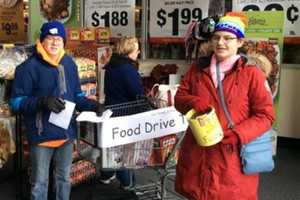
x=171, y=18
x=117, y=15
x=291, y=9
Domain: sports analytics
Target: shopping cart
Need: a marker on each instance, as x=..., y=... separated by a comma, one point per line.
x=133, y=155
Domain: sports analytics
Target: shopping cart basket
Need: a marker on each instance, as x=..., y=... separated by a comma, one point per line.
x=134, y=155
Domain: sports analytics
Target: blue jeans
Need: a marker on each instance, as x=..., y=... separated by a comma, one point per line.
x=125, y=176
x=40, y=161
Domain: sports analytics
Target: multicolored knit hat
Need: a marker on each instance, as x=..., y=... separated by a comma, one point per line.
x=233, y=22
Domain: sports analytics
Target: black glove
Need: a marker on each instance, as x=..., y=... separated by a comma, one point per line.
x=54, y=104
x=100, y=108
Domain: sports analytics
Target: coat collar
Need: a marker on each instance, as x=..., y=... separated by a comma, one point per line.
x=43, y=54
x=117, y=60
x=203, y=64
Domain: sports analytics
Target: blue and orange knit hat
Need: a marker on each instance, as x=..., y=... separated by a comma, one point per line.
x=233, y=22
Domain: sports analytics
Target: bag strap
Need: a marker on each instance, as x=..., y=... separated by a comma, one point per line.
x=170, y=102
x=153, y=90
x=221, y=95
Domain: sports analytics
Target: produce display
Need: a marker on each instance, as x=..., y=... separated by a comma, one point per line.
x=270, y=49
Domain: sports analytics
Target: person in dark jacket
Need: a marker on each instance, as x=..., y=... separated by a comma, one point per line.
x=42, y=86
x=122, y=83
x=215, y=172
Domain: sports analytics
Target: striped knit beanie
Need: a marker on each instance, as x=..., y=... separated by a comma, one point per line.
x=233, y=22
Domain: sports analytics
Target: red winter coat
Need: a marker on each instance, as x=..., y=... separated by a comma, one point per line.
x=214, y=173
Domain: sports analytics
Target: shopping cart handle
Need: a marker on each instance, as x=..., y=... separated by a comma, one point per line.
x=146, y=99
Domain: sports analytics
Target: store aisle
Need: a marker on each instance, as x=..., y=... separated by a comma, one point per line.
x=282, y=184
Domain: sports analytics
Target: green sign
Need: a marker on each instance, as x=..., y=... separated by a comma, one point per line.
x=265, y=34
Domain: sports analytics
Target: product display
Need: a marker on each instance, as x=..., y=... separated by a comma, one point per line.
x=10, y=58
x=5, y=110
x=87, y=76
x=55, y=9
x=7, y=144
x=86, y=67
x=270, y=49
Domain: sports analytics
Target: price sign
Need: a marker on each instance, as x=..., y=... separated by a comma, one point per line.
x=291, y=9
x=116, y=14
x=171, y=18
x=9, y=27
x=12, y=23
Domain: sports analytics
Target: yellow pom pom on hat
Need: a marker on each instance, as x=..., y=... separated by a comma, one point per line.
x=233, y=22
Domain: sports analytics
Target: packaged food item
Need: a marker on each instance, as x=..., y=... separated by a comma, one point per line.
x=7, y=144
x=162, y=148
x=10, y=58
x=4, y=110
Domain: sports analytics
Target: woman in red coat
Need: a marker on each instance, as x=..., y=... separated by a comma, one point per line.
x=214, y=172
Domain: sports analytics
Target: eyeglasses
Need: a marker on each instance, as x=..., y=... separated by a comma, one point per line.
x=55, y=39
x=226, y=39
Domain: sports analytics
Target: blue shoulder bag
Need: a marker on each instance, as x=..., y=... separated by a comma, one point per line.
x=257, y=155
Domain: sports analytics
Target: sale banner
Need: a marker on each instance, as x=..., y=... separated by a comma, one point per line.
x=65, y=11
x=289, y=7
x=118, y=15
x=12, y=22
x=264, y=35
x=170, y=18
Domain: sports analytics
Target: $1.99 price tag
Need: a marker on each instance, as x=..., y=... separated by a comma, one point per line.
x=171, y=18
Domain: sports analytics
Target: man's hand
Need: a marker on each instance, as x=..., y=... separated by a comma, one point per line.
x=100, y=108
x=54, y=104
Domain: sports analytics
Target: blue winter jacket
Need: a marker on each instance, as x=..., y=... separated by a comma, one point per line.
x=122, y=82
x=37, y=78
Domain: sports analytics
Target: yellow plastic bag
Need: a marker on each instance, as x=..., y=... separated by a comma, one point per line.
x=206, y=128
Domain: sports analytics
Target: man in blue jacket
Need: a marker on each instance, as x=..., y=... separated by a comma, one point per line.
x=42, y=84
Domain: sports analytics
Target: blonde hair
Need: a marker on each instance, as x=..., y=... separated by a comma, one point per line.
x=126, y=45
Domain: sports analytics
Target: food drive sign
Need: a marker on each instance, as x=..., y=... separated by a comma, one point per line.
x=152, y=124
